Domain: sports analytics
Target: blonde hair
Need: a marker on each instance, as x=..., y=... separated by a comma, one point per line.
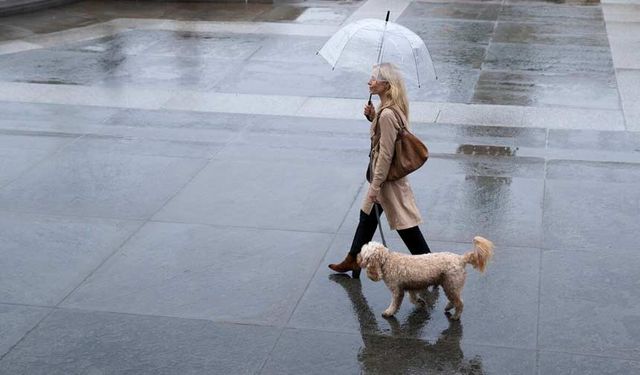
x=397, y=93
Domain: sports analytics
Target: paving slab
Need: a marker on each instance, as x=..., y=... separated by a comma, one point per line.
x=192, y=271
x=621, y=12
x=300, y=139
x=146, y=147
x=541, y=89
x=15, y=322
x=589, y=34
x=549, y=58
x=608, y=141
x=22, y=151
x=282, y=200
x=46, y=66
x=588, y=303
x=17, y=46
x=324, y=15
x=234, y=102
x=11, y=32
x=294, y=78
x=447, y=30
x=200, y=44
x=25, y=112
x=629, y=95
x=571, y=191
x=574, y=118
x=290, y=49
x=550, y=13
x=79, y=342
x=461, y=10
x=168, y=72
x=94, y=183
x=123, y=97
x=42, y=269
x=123, y=42
x=510, y=116
x=560, y=363
x=481, y=135
x=213, y=12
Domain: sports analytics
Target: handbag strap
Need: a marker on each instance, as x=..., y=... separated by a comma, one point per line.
x=403, y=127
x=398, y=117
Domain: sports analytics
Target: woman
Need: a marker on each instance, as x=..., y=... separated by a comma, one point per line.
x=394, y=197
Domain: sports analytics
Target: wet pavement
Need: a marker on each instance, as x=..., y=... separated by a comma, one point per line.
x=173, y=186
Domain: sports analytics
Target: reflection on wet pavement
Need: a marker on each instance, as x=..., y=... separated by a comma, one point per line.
x=402, y=350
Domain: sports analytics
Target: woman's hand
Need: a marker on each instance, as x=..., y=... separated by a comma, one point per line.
x=369, y=111
x=373, y=195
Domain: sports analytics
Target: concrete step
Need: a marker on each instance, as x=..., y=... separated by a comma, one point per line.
x=9, y=7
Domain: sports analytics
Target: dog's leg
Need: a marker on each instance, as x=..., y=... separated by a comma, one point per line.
x=453, y=294
x=449, y=306
x=459, y=306
x=416, y=299
x=396, y=301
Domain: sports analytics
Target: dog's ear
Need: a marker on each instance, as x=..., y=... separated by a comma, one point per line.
x=365, y=255
x=374, y=272
x=374, y=255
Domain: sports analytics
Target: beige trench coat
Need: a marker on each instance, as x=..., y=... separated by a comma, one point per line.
x=396, y=197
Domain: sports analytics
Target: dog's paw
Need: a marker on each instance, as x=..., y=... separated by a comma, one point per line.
x=388, y=313
x=421, y=302
x=452, y=316
x=448, y=307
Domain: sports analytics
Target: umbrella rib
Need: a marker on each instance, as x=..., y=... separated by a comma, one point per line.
x=345, y=46
x=415, y=57
x=415, y=61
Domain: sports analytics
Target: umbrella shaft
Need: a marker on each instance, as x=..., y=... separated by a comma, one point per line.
x=378, y=61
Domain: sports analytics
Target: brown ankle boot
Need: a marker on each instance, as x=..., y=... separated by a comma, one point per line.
x=348, y=264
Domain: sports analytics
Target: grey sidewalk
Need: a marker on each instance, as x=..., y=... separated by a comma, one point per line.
x=170, y=196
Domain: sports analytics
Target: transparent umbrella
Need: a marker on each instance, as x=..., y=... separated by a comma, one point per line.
x=361, y=44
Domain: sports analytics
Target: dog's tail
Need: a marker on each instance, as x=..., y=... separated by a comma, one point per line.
x=480, y=255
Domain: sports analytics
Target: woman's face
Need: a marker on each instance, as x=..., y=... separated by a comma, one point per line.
x=377, y=86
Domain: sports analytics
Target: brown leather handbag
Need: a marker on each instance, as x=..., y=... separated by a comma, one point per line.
x=409, y=154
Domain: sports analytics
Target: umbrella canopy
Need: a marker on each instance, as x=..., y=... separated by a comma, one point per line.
x=361, y=44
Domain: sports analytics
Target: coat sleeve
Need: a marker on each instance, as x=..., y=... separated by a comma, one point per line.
x=388, y=126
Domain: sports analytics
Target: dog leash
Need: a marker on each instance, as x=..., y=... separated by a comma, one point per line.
x=375, y=205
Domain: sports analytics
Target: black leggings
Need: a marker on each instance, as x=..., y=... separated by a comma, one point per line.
x=412, y=237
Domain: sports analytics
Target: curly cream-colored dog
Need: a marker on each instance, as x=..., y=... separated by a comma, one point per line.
x=412, y=273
